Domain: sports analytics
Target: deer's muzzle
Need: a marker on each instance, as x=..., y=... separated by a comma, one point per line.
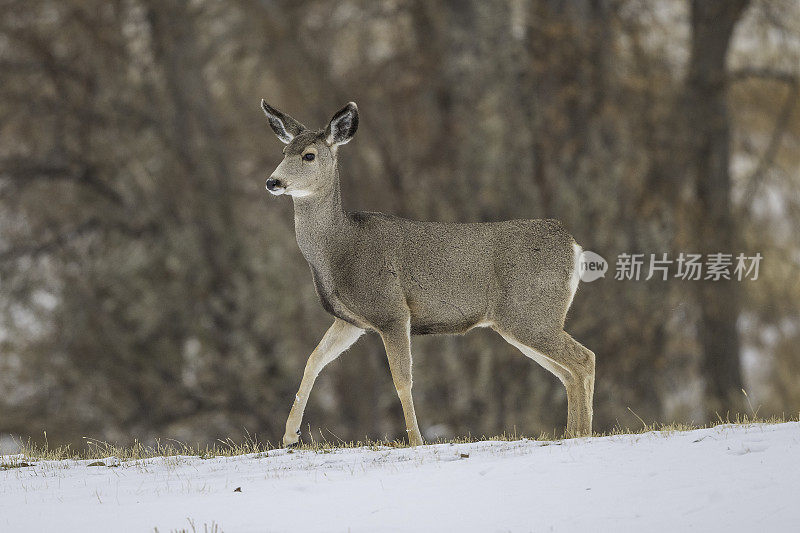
x=275, y=186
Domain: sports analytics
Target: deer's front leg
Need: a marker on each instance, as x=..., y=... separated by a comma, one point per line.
x=397, y=341
x=339, y=337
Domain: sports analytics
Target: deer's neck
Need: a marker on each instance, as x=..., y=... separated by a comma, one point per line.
x=320, y=224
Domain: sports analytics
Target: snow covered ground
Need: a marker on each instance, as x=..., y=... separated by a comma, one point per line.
x=729, y=478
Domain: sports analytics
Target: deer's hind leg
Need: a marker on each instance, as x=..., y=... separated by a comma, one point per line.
x=569, y=361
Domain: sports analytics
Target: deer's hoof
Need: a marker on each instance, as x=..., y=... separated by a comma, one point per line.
x=291, y=440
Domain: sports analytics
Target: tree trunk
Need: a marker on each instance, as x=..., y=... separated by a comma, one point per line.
x=712, y=25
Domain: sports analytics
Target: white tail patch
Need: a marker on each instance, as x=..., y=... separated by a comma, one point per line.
x=576, y=272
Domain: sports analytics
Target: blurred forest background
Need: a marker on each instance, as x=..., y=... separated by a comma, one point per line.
x=150, y=287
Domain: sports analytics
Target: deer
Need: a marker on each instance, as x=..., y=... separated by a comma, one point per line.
x=399, y=277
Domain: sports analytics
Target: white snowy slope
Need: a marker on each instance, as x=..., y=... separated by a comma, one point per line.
x=729, y=478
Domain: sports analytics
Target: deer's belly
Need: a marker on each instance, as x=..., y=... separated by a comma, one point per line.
x=439, y=304
x=444, y=315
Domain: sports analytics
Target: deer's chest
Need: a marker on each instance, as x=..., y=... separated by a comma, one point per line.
x=331, y=298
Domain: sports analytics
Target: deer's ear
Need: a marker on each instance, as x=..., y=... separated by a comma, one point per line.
x=342, y=126
x=284, y=126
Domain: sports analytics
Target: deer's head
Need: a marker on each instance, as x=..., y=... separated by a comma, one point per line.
x=309, y=162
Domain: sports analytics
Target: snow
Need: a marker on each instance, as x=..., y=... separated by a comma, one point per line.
x=728, y=478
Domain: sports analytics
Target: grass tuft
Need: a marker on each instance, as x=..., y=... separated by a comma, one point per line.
x=95, y=450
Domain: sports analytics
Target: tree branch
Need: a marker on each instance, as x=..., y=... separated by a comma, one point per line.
x=745, y=73
x=36, y=249
x=781, y=123
x=84, y=228
x=23, y=169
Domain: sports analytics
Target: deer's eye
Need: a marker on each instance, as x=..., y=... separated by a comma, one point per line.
x=308, y=157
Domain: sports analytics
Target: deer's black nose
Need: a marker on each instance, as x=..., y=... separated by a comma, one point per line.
x=273, y=184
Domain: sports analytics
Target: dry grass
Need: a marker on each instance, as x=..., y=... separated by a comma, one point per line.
x=94, y=450
x=213, y=527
